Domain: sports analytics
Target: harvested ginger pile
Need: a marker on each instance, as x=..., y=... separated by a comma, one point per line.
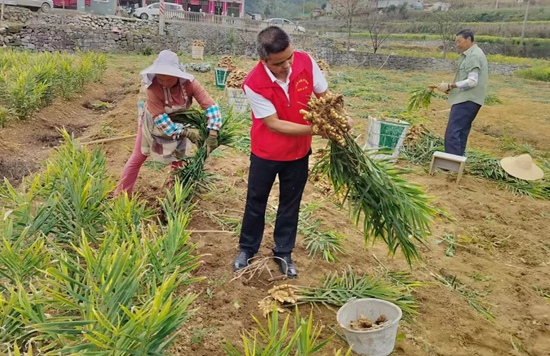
x=236, y=79
x=323, y=65
x=364, y=323
x=225, y=62
x=278, y=295
x=198, y=43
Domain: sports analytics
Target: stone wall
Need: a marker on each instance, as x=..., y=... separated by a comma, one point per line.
x=81, y=20
x=18, y=14
x=54, y=32
x=55, y=38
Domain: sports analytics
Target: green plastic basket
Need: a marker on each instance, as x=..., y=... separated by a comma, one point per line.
x=221, y=75
x=386, y=135
x=390, y=132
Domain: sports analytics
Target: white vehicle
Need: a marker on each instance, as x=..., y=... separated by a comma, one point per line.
x=149, y=11
x=285, y=24
x=44, y=5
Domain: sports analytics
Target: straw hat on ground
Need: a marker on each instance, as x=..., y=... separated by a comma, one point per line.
x=522, y=167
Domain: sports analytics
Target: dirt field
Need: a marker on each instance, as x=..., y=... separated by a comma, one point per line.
x=502, y=252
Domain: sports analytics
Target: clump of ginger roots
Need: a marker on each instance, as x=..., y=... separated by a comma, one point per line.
x=328, y=117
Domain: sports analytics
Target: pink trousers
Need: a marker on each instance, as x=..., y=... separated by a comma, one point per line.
x=131, y=169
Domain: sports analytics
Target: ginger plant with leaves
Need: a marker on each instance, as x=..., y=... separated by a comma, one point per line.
x=103, y=282
x=193, y=172
x=277, y=339
x=326, y=243
x=388, y=206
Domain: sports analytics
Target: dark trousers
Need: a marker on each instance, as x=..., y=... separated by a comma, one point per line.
x=460, y=122
x=292, y=180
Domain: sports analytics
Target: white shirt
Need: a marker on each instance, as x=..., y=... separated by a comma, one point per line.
x=262, y=107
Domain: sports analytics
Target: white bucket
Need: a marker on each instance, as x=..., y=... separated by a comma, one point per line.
x=237, y=98
x=197, y=52
x=376, y=342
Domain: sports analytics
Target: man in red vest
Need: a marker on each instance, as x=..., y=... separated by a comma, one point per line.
x=277, y=89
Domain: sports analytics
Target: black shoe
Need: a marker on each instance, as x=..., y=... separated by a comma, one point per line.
x=241, y=261
x=286, y=266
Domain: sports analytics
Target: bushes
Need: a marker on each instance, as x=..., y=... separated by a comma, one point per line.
x=535, y=73
x=30, y=81
x=536, y=13
x=535, y=30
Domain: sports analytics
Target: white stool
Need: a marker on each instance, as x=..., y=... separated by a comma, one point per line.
x=449, y=162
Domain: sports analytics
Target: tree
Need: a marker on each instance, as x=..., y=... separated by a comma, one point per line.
x=448, y=24
x=267, y=11
x=524, y=22
x=379, y=26
x=308, y=7
x=346, y=10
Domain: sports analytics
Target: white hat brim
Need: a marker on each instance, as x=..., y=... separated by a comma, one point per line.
x=509, y=165
x=149, y=73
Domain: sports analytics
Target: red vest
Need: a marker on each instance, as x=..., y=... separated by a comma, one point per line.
x=271, y=145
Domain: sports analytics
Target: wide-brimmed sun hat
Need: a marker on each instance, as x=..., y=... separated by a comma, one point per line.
x=167, y=63
x=522, y=167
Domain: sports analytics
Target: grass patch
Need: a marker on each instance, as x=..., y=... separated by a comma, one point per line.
x=536, y=73
x=491, y=58
x=543, y=292
x=200, y=334
x=325, y=243
x=472, y=296
x=154, y=165
x=478, y=38
x=492, y=99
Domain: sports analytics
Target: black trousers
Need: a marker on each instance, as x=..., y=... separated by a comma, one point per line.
x=460, y=122
x=292, y=180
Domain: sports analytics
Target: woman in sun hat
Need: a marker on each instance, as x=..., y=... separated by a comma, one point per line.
x=167, y=89
x=522, y=167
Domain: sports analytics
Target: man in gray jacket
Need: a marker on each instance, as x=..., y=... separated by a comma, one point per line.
x=466, y=93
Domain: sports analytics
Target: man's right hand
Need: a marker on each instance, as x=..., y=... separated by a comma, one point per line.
x=350, y=122
x=443, y=87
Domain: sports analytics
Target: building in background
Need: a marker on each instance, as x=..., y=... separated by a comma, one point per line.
x=98, y=7
x=384, y=4
x=233, y=8
x=439, y=6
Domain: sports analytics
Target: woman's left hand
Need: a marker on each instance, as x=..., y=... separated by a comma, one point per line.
x=211, y=144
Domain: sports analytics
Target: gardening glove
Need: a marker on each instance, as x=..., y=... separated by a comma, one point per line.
x=191, y=134
x=444, y=87
x=211, y=144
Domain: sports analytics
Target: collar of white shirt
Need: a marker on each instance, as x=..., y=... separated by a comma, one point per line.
x=272, y=77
